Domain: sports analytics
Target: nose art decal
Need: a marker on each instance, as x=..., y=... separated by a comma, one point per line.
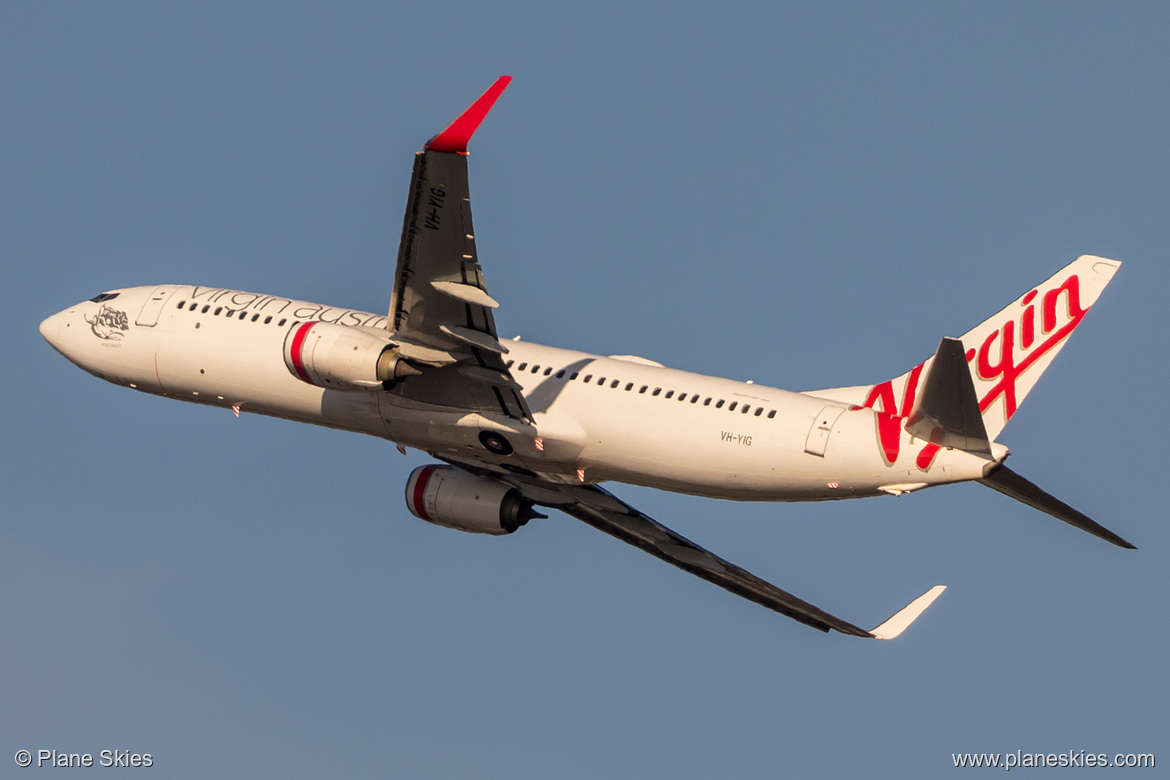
x=109, y=323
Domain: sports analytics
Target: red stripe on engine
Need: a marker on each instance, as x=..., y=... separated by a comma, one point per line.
x=420, y=489
x=298, y=343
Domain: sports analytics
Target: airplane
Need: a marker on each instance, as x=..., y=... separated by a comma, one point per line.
x=516, y=426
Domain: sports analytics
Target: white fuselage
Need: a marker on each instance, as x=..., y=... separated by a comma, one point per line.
x=596, y=418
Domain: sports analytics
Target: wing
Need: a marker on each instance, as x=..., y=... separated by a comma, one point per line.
x=440, y=311
x=607, y=513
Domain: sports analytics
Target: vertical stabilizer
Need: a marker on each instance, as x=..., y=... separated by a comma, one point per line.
x=1008, y=353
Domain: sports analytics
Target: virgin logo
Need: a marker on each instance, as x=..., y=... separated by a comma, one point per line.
x=1002, y=358
x=891, y=415
x=1008, y=366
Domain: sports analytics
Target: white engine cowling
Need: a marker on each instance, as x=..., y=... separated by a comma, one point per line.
x=341, y=357
x=451, y=497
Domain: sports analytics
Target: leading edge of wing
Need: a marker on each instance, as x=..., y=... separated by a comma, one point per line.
x=457, y=134
x=597, y=508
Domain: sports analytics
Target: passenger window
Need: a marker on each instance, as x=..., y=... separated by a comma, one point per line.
x=588, y=378
x=255, y=317
x=657, y=390
x=561, y=374
x=643, y=388
x=205, y=308
x=181, y=304
x=218, y=309
x=732, y=405
x=243, y=315
x=694, y=398
x=682, y=396
x=522, y=366
x=614, y=383
x=267, y=320
x=629, y=386
x=194, y=306
x=573, y=376
x=509, y=364
x=535, y=367
x=669, y=393
x=281, y=323
x=548, y=371
x=771, y=413
x=601, y=381
x=719, y=404
x=759, y=410
x=745, y=409
x=707, y=401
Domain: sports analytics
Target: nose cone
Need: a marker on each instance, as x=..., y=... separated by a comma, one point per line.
x=51, y=330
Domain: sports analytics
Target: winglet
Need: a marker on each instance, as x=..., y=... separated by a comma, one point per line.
x=902, y=619
x=458, y=133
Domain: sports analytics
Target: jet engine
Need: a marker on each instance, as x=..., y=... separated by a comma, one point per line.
x=341, y=357
x=451, y=497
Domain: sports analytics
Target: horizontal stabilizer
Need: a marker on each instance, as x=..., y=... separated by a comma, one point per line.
x=1012, y=484
x=902, y=619
x=947, y=413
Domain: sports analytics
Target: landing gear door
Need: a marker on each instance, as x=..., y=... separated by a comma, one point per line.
x=818, y=435
x=148, y=316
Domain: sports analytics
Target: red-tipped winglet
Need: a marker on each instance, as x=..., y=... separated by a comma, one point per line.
x=459, y=132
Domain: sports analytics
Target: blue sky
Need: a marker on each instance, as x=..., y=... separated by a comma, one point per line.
x=806, y=196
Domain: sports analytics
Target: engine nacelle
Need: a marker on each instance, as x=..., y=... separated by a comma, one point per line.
x=450, y=497
x=341, y=357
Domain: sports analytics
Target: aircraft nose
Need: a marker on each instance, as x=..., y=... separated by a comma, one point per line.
x=51, y=329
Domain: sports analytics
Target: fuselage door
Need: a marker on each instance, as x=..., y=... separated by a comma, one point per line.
x=148, y=316
x=818, y=435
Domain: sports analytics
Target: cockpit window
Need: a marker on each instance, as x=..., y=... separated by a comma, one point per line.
x=104, y=297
